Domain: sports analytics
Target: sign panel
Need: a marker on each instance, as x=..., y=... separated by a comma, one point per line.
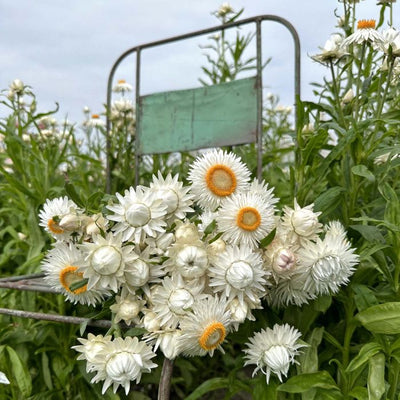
x=211, y=116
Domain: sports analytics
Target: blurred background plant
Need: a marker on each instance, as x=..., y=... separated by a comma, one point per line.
x=343, y=156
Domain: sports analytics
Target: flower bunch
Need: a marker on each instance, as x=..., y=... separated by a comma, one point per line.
x=189, y=264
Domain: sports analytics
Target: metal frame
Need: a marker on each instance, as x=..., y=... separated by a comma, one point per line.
x=138, y=49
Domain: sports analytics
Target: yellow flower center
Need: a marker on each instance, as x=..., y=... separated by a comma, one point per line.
x=212, y=336
x=69, y=276
x=95, y=116
x=366, y=24
x=221, y=180
x=121, y=81
x=54, y=227
x=248, y=218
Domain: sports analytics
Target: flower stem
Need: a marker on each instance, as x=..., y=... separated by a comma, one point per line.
x=165, y=380
x=359, y=83
x=336, y=93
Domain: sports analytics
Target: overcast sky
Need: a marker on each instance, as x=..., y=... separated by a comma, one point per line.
x=64, y=49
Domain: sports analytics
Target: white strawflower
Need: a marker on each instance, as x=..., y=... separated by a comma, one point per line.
x=138, y=214
x=105, y=260
x=365, y=33
x=245, y=218
x=142, y=271
x=262, y=189
x=391, y=39
x=124, y=361
x=225, y=9
x=173, y=194
x=273, y=350
x=122, y=86
x=216, y=175
x=3, y=378
x=92, y=351
x=204, y=328
x=127, y=308
x=332, y=50
x=53, y=212
x=238, y=273
x=95, y=121
x=173, y=299
x=62, y=269
x=186, y=233
x=189, y=261
x=301, y=223
x=167, y=340
x=329, y=262
x=290, y=291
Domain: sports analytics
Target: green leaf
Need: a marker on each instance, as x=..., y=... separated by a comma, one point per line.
x=73, y=194
x=370, y=233
x=328, y=200
x=214, y=384
x=362, y=170
x=309, y=358
x=364, y=297
x=268, y=239
x=46, y=371
x=359, y=393
x=382, y=318
x=304, y=382
x=20, y=373
x=376, y=377
x=366, y=352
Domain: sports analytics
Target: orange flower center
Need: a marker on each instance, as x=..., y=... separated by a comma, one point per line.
x=69, y=276
x=221, y=180
x=54, y=227
x=366, y=24
x=121, y=81
x=248, y=218
x=95, y=116
x=212, y=336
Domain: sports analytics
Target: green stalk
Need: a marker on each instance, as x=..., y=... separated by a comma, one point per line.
x=393, y=378
x=359, y=83
x=385, y=92
x=336, y=93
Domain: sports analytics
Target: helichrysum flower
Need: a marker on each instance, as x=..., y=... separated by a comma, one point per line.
x=3, y=378
x=365, y=33
x=332, y=50
x=284, y=292
x=52, y=213
x=173, y=194
x=191, y=261
x=105, y=261
x=62, y=269
x=224, y=10
x=204, y=329
x=245, y=218
x=138, y=214
x=122, y=86
x=329, y=262
x=95, y=121
x=215, y=176
x=300, y=223
x=273, y=350
x=167, y=341
x=391, y=39
x=125, y=360
x=127, y=308
x=92, y=351
x=173, y=299
x=238, y=273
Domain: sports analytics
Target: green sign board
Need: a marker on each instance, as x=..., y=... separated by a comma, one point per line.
x=210, y=116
